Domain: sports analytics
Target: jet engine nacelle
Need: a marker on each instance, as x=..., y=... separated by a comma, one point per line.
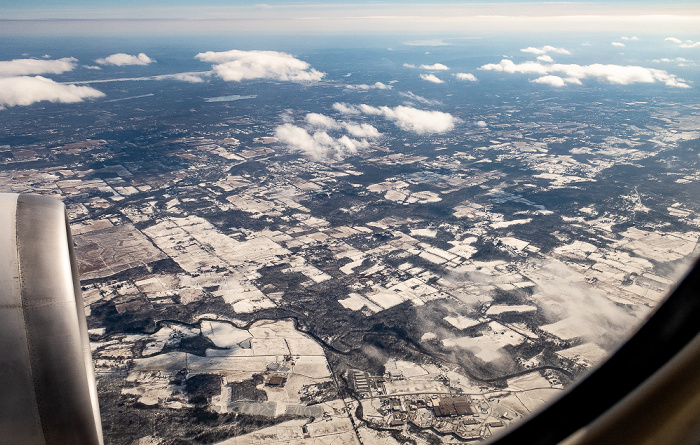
x=47, y=383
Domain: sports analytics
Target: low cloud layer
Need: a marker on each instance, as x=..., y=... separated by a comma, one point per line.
x=680, y=61
x=587, y=310
x=433, y=67
x=554, y=81
x=24, y=67
x=324, y=122
x=237, y=65
x=322, y=137
x=683, y=44
x=431, y=78
x=465, y=76
x=406, y=118
x=26, y=90
x=186, y=77
x=121, y=59
x=374, y=86
x=412, y=96
x=566, y=74
x=544, y=50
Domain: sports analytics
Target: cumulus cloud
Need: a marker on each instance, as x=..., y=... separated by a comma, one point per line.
x=629, y=38
x=318, y=120
x=554, y=81
x=419, y=121
x=574, y=74
x=319, y=145
x=24, y=67
x=421, y=99
x=683, y=44
x=466, y=76
x=618, y=44
x=237, y=65
x=434, y=67
x=186, y=77
x=431, y=78
x=346, y=109
x=374, y=86
x=407, y=118
x=544, y=50
x=481, y=124
x=681, y=61
x=26, y=90
x=121, y=59
x=316, y=142
x=508, y=66
x=361, y=130
x=545, y=58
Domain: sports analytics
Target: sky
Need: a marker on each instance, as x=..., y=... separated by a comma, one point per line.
x=278, y=17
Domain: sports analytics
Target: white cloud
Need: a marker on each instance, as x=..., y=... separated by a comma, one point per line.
x=23, y=67
x=554, y=81
x=435, y=67
x=509, y=66
x=431, y=78
x=572, y=73
x=92, y=67
x=545, y=58
x=374, y=86
x=421, y=99
x=316, y=142
x=121, y=59
x=406, y=118
x=466, y=76
x=588, y=311
x=184, y=77
x=25, y=90
x=361, y=130
x=667, y=60
x=618, y=44
x=629, y=38
x=318, y=120
x=544, y=50
x=345, y=108
x=682, y=44
x=419, y=121
x=368, y=109
x=481, y=124
x=319, y=145
x=237, y=65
